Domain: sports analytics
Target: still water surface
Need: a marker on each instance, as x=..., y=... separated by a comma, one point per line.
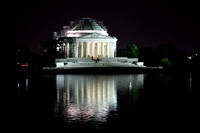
x=106, y=102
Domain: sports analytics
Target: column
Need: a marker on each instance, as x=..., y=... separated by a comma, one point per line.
x=97, y=49
x=76, y=50
x=68, y=50
x=112, y=49
x=86, y=49
x=63, y=49
x=92, y=49
x=82, y=50
x=108, y=49
x=103, y=49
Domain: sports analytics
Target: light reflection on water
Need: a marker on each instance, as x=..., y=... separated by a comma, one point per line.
x=92, y=97
x=101, y=102
x=22, y=86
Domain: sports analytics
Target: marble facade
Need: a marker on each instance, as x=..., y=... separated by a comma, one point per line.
x=85, y=38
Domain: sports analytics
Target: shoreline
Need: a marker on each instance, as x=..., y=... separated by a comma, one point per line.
x=102, y=70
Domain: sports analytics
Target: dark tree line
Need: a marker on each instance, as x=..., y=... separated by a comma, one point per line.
x=26, y=60
x=131, y=51
x=49, y=52
x=165, y=55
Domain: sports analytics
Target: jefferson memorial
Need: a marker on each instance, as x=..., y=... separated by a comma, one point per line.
x=85, y=43
x=86, y=38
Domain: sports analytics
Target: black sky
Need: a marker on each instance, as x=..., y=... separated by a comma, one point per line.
x=145, y=23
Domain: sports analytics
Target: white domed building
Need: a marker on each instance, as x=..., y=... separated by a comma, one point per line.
x=84, y=43
x=86, y=38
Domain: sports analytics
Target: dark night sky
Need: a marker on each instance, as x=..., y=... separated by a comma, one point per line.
x=145, y=23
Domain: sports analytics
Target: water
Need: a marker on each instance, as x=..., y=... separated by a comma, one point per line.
x=98, y=103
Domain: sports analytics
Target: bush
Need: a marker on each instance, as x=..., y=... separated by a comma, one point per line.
x=166, y=63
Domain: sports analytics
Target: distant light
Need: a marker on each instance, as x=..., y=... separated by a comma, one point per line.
x=189, y=57
x=24, y=65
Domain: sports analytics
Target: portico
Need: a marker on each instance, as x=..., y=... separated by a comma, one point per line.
x=95, y=49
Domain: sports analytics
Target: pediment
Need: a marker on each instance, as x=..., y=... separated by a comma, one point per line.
x=96, y=36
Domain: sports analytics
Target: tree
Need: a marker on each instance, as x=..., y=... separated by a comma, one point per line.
x=165, y=63
x=131, y=51
x=177, y=58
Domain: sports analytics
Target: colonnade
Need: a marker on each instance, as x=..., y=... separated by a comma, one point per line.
x=95, y=49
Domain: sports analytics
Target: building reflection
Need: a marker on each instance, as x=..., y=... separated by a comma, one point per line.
x=86, y=97
x=22, y=86
x=93, y=97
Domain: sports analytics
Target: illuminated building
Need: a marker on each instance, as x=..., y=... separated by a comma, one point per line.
x=84, y=43
x=85, y=38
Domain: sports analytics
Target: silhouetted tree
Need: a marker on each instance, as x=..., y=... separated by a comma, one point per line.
x=49, y=52
x=25, y=56
x=131, y=51
x=177, y=58
x=166, y=63
x=166, y=55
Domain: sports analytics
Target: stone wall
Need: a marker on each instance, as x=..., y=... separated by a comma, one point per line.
x=62, y=62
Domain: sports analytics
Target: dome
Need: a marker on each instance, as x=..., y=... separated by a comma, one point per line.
x=86, y=23
x=81, y=27
x=84, y=26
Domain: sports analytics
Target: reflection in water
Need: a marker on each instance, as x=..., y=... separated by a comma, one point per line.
x=92, y=97
x=190, y=81
x=86, y=97
x=101, y=102
x=22, y=83
x=22, y=86
x=131, y=82
x=26, y=83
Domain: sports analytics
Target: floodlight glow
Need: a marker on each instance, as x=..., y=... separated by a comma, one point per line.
x=78, y=33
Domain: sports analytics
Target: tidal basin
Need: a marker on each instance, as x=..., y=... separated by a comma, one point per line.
x=98, y=103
